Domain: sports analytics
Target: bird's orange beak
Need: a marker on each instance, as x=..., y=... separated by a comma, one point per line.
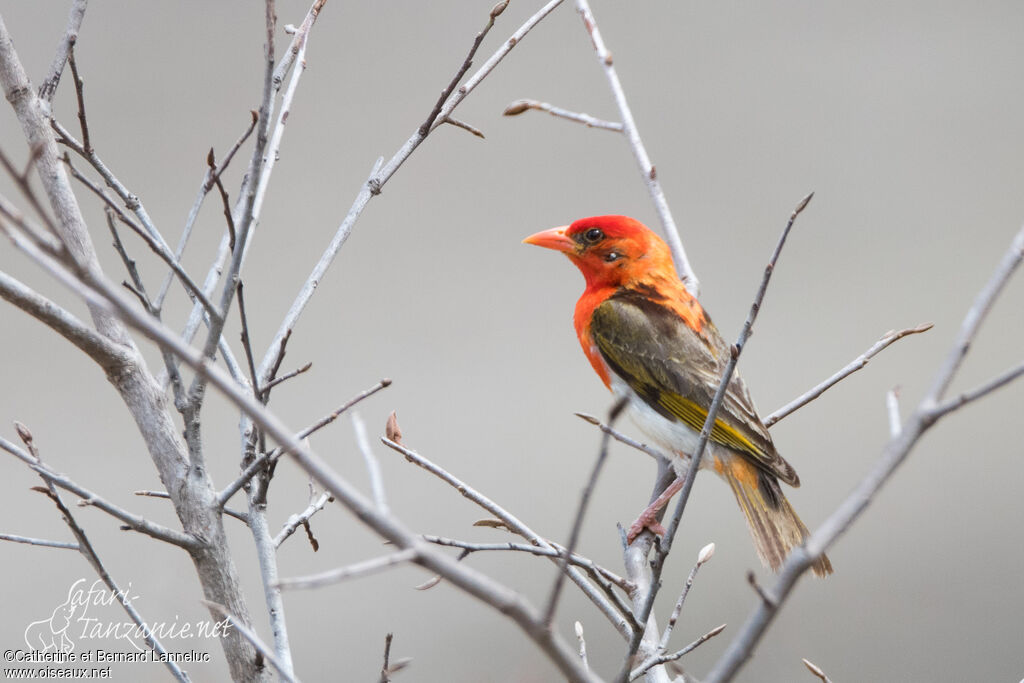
x=554, y=238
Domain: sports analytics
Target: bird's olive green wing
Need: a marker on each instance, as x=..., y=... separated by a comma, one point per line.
x=677, y=372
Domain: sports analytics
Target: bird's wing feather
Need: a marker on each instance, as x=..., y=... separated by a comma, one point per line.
x=677, y=373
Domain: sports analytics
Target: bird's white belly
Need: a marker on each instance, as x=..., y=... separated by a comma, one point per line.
x=672, y=436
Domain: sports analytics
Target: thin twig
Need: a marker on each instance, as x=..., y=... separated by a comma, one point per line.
x=80, y=95
x=761, y=593
x=251, y=636
x=241, y=516
x=372, y=464
x=301, y=519
x=385, y=669
x=705, y=554
x=554, y=551
x=466, y=63
x=574, y=534
x=458, y=123
x=226, y=202
x=632, y=134
x=210, y=177
x=13, y=538
x=856, y=364
x=981, y=391
x=352, y=571
x=619, y=436
x=514, y=524
x=246, y=341
x=266, y=554
x=157, y=246
x=137, y=287
x=133, y=521
x=666, y=658
x=260, y=462
x=298, y=39
x=520, y=106
x=67, y=41
x=265, y=390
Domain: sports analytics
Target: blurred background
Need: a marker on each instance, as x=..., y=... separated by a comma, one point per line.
x=904, y=119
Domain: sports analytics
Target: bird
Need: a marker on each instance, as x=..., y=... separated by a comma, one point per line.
x=653, y=345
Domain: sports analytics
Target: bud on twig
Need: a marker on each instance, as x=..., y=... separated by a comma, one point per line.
x=706, y=553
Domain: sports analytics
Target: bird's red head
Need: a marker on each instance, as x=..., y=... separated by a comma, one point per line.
x=610, y=251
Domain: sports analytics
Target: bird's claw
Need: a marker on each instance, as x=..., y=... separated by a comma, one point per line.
x=644, y=521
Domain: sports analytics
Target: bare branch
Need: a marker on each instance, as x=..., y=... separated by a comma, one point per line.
x=240, y=516
x=980, y=391
x=389, y=667
x=977, y=313
x=352, y=571
x=155, y=244
x=251, y=636
x=664, y=659
x=705, y=554
x=75, y=17
x=80, y=94
x=260, y=462
x=266, y=553
x=466, y=63
x=574, y=534
x=619, y=436
x=517, y=527
x=553, y=551
x=39, y=541
x=632, y=134
x=209, y=179
x=385, y=669
x=134, y=522
x=298, y=39
x=856, y=364
x=372, y=464
x=464, y=126
x=301, y=519
x=104, y=352
x=524, y=105
x=283, y=378
x=246, y=341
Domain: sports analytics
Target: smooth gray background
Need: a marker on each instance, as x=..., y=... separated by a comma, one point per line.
x=904, y=118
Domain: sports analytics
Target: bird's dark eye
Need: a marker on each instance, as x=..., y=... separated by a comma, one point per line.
x=612, y=256
x=593, y=235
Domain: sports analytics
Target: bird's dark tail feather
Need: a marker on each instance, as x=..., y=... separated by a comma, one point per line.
x=773, y=524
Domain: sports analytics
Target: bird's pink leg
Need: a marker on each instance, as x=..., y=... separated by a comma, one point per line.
x=648, y=519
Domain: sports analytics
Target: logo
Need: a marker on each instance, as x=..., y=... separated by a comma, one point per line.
x=95, y=613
